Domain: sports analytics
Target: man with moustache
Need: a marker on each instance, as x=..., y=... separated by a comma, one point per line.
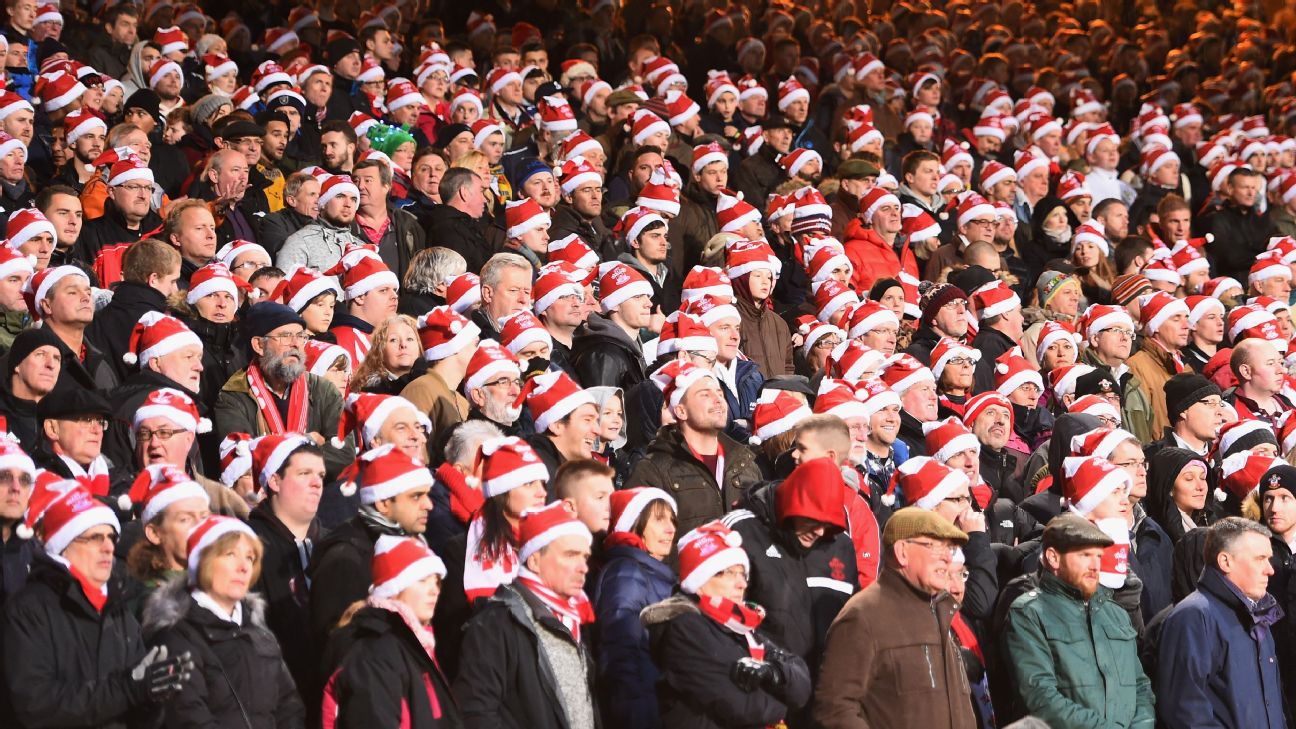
x=275, y=394
x=1071, y=649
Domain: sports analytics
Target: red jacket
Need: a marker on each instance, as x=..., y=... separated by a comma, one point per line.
x=872, y=258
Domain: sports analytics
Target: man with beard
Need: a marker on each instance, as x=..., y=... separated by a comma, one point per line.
x=1070, y=602
x=166, y=79
x=492, y=383
x=270, y=165
x=85, y=133
x=320, y=244
x=337, y=146
x=275, y=394
x=301, y=207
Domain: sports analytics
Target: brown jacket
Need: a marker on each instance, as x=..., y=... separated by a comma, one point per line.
x=444, y=407
x=1153, y=368
x=765, y=339
x=891, y=662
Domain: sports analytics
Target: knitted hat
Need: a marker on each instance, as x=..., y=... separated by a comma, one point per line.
x=1127, y=287
x=1186, y=389
x=936, y=297
x=400, y=562
x=1088, y=480
x=156, y=335
x=1243, y=435
x=174, y=405
x=552, y=396
x=506, y=464
x=444, y=333
x=706, y=552
x=925, y=482
x=207, y=533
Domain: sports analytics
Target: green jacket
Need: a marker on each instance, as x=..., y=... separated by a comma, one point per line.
x=1136, y=409
x=11, y=325
x=1074, y=662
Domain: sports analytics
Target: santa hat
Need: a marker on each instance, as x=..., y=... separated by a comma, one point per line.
x=629, y=504
x=1097, y=406
x=919, y=113
x=1268, y=266
x=127, y=169
x=336, y=185
x=1052, y=333
x=506, y=464
x=1160, y=267
x=732, y=212
x=745, y=256
x=903, y=371
x=992, y=173
x=556, y=280
x=235, y=457
x=277, y=38
x=646, y=124
x=443, y=333
x=1012, y=371
x=680, y=107
x=370, y=71
x=718, y=83
x=1100, y=442
x=401, y=93
x=365, y=414
x=463, y=292
x=11, y=102
x=793, y=161
x=870, y=315
x=945, y=350
x=159, y=486
x=1088, y=480
x=776, y=412
x=706, y=552
x=212, y=278
x=364, y=275
x=707, y=281
x=522, y=329
x=850, y=360
x=156, y=335
x=829, y=298
x=556, y=114
x=230, y=252
x=1157, y=308
x=541, y=527
x=1241, y=472
x=659, y=193
x=160, y=68
x=994, y=299
x=577, y=172
x=711, y=310
x=917, y=224
x=619, y=283
x=925, y=482
x=634, y=221
x=552, y=396
x=978, y=404
x=948, y=438
x=1092, y=232
x=578, y=144
x=1062, y=380
x=400, y=562
x=26, y=224
x=837, y=397
x=13, y=262
x=862, y=135
x=873, y=200
x=81, y=122
x=387, y=472
x=488, y=362
x=1099, y=317
x=171, y=40
x=39, y=285
x=1249, y=317
x=684, y=332
x=676, y=377
x=875, y=395
x=1199, y=306
x=1027, y=163
x=791, y=91
x=174, y=405
x=523, y=216
x=571, y=249
x=300, y=285
x=207, y=533
x=657, y=67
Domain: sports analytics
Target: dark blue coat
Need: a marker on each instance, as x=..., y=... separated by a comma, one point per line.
x=1152, y=559
x=630, y=581
x=743, y=403
x=1212, y=671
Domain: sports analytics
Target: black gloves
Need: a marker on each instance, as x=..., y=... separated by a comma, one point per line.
x=156, y=677
x=750, y=674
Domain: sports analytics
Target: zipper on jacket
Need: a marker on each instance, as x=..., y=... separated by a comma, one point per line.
x=931, y=672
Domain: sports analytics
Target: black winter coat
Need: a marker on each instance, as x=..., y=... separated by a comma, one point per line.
x=67, y=664
x=224, y=354
x=119, y=439
x=15, y=561
x=1240, y=235
x=992, y=343
x=695, y=655
x=595, y=234
x=506, y=680
x=454, y=229
x=603, y=355
x=112, y=326
x=340, y=572
x=757, y=176
x=277, y=226
x=386, y=679
x=110, y=229
x=19, y=415
x=239, y=679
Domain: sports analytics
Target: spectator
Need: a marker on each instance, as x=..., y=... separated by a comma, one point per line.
x=1164, y=321
x=321, y=243
x=566, y=420
x=606, y=349
x=16, y=480
x=34, y=363
x=1261, y=376
x=150, y=270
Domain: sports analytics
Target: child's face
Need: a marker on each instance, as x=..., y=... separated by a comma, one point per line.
x=173, y=133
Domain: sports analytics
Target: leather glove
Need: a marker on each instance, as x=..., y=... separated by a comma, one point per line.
x=749, y=674
x=157, y=676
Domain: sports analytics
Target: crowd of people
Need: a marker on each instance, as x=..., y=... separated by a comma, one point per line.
x=639, y=363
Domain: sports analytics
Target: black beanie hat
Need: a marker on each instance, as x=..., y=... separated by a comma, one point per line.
x=28, y=341
x=337, y=49
x=1282, y=476
x=1185, y=390
x=265, y=317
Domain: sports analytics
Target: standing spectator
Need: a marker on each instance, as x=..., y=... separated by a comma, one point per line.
x=1164, y=320
x=1216, y=658
x=896, y=633
x=17, y=476
x=110, y=52
x=1071, y=649
x=458, y=219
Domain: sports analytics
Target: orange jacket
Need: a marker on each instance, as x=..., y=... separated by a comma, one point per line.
x=872, y=258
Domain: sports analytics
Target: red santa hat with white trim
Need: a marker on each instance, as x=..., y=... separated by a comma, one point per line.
x=552, y=396
x=645, y=125
x=925, y=482
x=829, y=298
x=733, y=213
x=1088, y=480
x=660, y=193
x=1097, y=406
x=213, y=278
x=556, y=280
x=488, y=362
x=683, y=332
x=207, y=532
x=1051, y=333
x=1092, y=232
x=1100, y=442
x=156, y=335
x=365, y=413
x=745, y=256
x=81, y=122
x=400, y=562
x=629, y=504
x=903, y=371
x=634, y=221
x=523, y=216
x=159, y=486
x=41, y=282
x=1241, y=472
x=776, y=412
x=367, y=274
x=790, y=92
x=619, y=283
x=1099, y=317
x=1201, y=305
x=795, y=160
x=556, y=114
x=336, y=185
x=949, y=437
x=387, y=472
x=577, y=172
x=1062, y=380
x=870, y=315
x=1012, y=371
x=443, y=333
x=572, y=249
x=26, y=224
x=680, y=107
x=707, y=281
x=463, y=292
x=1156, y=309
x=174, y=405
x=676, y=377
x=875, y=395
x=522, y=329
x=945, y=350
x=1267, y=266
x=852, y=359
x=994, y=299
x=300, y=285
x=541, y=527
x=706, y=552
x=837, y=397
x=235, y=457
x=705, y=154
x=499, y=77
x=506, y=464
x=978, y=404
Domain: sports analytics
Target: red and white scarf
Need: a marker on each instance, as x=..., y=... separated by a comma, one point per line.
x=483, y=575
x=572, y=612
x=736, y=617
x=265, y=400
x=95, y=477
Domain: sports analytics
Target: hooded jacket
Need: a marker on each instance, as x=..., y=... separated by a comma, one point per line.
x=1163, y=467
x=603, y=354
x=278, y=226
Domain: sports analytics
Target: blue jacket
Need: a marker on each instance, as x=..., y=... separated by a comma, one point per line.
x=630, y=581
x=1212, y=670
x=743, y=403
x=1152, y=559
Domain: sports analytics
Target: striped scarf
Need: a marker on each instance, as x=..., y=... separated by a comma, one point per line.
x=572, y=612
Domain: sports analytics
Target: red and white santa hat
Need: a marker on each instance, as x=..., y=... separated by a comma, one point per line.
x=523, y=216
x=1100, y=442
x=925, y=482
x=482, y=129
x=634, y=221
x=556, y=280
x=660, y=193
x=387, y=472
x=875, y=395
x=1012, y=371
x=1200, y=305
x=712, y=310
x=300, y=285
x=499, y=77
x=61, y=510
x=706, y=552
x=1092, y=232
x=862, y=135
x=174, y=405
x=1269, y=304
x=776, y=412
x=705, y=154
x=812, y=330
x=365, y=413
x=577, y=172
x=993, y=173
x=1051, y=333
x=978, y=404
x=645, y=125
x=791, y=91
x=156, y=335
x=903, y=371
x=745, y=256
x=684, y=332
x=1286, y=432
x=365, y=275
x=335, y=185
x=680, y=107
x=11, y=102
x=1095, y=405
x=995, y=299
x=829, y=298
x=171, y=40
x=81, y=122
x=948, y=438
x=13, y=263
x=1267, y=266
x=463, y=292
x=488, y=362
x=619, y=283
x=873, y=201
x=506, y=464
x=443, y=333
x=400, y=562
x=521, y=329
x=207, y=532
x=917, y=224
x=48, y=13
x=1241, y=472
x=573, y=250
x=1248, y=316
x=217, y=65
x=541, y=527
x=579, y=144
x=837, y=397
x=707, y=281
x=676, y=377
x=552, y=396
x=793, y=161
x=1099, y=317
x=733, y=213
x=230, y=252
x=159, y=486
x=852, y=360
x=629, y=504
x=466, y=96
x=160, y=68
x=1157, y=308
x=1062, y=380
x=401, y=93
x=919, y=113
x=235, y=457
x=213, y=278
x=556, y=115
x=870, y=315
x=26, y=224
x=39, y=285
x=1088, y=480
x=126, y=169
x=945, y=350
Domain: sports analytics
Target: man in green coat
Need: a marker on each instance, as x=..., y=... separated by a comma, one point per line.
x=1072, y=651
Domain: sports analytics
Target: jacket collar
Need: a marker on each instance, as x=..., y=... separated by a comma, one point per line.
x=1266, y=611
x=1054, y=585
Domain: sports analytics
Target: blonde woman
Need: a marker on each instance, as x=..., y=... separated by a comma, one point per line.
x=393, y=359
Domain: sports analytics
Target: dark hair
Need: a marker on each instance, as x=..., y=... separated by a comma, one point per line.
x=368, y=32
x=643, y=149
x=454, y=180
x=339, y=126
x=116, y=11
x=1242, y=172
x=384, y=170
x=653, y=509
x=497, y=533
x=910, y=163
x=1127, y=250
x=531, y=46
x=266, y=271
x=309, y=448
x=1225, y=532
x=1101, y=208
x=45, y=198
x=651, y=226
x=428, y=151
x=573, y=472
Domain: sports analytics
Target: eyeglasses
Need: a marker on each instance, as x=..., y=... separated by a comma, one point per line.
x=735, y=573
x=1139, y=465
x=99, y=420
x=162, y=434
x=505, y=381
x=96, y=540
x=250, y=264
x=708, y=359
x=289, y=336
x=1030, y=388
x=984, y=223
x=7, y=480
x=136, y=189
x=827, y=343
x=1128, y=334
x=940, y=550
x=960, y=361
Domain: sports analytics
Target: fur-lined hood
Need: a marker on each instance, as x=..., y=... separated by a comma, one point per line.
x=668, y=609
x=170, y=603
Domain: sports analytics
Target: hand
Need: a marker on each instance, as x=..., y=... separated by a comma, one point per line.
x=971, y=521
x=316, y=438
x=159, y=676
x=748, y=673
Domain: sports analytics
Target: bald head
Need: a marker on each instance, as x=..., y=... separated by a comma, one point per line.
x=983, y=255
x=1259, y=367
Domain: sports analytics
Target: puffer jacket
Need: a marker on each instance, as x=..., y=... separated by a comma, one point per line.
x=871, y=258
x=743, y=402
x=318, y=245
x=604, y=355
x=801, y=589
x=671, y=466
x=1074, y=661
x=239, y=677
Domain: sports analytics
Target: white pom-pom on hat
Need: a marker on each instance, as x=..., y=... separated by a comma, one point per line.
x=124, y=502
x=348, y=488
x=888, y=499
x=24, y=532
x=338, y=442
x=1001, y=368
x=733, y=539
x=204, y=425
x=1220, y=494
x=130, y=358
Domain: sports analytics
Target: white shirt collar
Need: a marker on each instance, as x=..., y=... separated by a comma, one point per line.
x=206, y=601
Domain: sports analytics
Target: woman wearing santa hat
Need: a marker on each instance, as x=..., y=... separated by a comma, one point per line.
x=718, y=669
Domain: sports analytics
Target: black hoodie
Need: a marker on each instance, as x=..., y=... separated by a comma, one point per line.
x=1163, y=468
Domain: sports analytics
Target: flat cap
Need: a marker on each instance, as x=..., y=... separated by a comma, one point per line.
x=856, y=169
x=911, y=522
x=622, y=96
x=1068, y=532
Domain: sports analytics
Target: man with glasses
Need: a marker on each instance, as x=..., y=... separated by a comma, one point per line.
x=17, y=473
x=1164, y=320
x=1109, y=331
x=1071, y=652
x=492, y=383
x=977, y=221
x=1196, y=414
x=909, y=676
x=275, y=393
x=127, y=212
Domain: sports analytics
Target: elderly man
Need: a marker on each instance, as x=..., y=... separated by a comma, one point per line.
x=492, y=384
x=1164, y=320
x=275, y=393
x=454, y=500
x=1261, y=376
x=460, y=221
x=1071, y=649
x=873, y=677
x=530, y=624
x=1216, y=659
x=396, y=232
x=505, y=289
x=61, y=297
